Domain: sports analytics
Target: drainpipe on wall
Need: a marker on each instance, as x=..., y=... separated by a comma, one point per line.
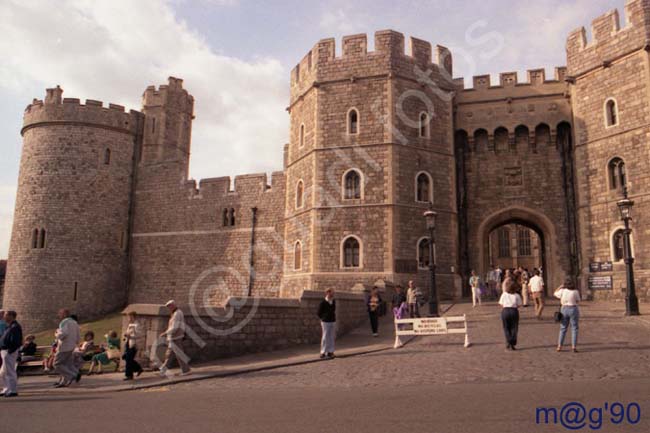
x=251, y=261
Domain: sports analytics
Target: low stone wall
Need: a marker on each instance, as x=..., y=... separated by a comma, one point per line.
x=243, y=325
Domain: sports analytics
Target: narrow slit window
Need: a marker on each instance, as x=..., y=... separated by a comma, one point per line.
x=35, y=239
x=75, y=291
x=107, y=157
x=232, y=216
x=353, y=122
x=424, y=125
x=611, y=113
x=42, y=239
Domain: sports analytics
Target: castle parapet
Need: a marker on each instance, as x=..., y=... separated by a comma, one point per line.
x=58, y=110
x=510, y=87
x=321, y=63
x=609, y=41
x=153, y=97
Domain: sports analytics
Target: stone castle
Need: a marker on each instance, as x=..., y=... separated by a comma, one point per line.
x=106, y=215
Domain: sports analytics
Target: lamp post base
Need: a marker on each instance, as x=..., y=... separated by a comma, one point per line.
x=631, y=306
x=433, y=309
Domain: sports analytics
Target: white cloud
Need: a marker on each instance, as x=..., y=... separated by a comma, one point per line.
x=112, y=50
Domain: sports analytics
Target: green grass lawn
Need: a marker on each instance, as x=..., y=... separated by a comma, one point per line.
x=100, y=327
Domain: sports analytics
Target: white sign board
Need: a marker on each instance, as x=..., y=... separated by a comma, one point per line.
x=432, y=326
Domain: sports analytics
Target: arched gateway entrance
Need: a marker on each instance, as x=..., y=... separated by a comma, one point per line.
x=548, y=257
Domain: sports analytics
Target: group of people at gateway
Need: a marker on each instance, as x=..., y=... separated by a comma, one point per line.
x=70, y=352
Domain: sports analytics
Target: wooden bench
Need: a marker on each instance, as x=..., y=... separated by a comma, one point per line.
x=42, y=352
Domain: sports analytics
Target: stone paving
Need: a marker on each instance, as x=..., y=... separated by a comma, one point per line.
x=611, y=347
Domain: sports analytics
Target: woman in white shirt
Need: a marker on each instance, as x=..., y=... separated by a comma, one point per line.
x=510, y=302
x=569, y=298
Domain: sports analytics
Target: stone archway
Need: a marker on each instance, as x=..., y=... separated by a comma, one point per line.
x=554, y=272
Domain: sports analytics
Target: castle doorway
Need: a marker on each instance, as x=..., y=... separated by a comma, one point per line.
x=519, y=236
x=516, y=243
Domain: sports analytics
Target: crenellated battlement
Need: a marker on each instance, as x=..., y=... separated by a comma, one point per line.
x=322, y=64
x=609, y=40
x=153, y=97
x=56, y=109
x=244, y=185
x=534, y=77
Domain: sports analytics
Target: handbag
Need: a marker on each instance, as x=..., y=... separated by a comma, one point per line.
x=558, y=315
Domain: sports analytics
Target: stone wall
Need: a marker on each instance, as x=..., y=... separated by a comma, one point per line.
x=256, y=325
x=615, y=65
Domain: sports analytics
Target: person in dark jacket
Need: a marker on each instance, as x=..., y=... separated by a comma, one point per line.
x=374, y=305
x=327, y=315
x=10, y=342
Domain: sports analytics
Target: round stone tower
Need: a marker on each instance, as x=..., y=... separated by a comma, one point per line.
x=71, y=224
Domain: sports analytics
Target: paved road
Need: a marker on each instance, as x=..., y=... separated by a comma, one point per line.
x=431, y=385
x=475, y=408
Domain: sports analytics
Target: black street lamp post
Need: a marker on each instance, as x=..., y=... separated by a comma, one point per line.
x=631, y=301
x=430, y=217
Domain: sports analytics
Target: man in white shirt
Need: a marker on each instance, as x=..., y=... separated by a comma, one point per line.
x=537, y=288
x=174, y=334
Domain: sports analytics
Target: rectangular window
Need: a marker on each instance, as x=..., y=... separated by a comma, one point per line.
x=523, y=243
x=504, y=243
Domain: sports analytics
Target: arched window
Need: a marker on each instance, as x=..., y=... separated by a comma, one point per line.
x=423, y=188
x=353, y=121
x=35, y=239
x=42, y=238
x=226, y=218
x=423, y=253
x=611, y=113
x=351, y=253
x=232, y=216
x=352, y=185
x=618, y=245
x=424, y=125
x=616, y=171
x=300, y=189
x=504, y=242
x=542, y=136
x=521, y=138
x=107, y=156
x=481, y=141
x=501, y=140
x=301, y=139
x=297, y=256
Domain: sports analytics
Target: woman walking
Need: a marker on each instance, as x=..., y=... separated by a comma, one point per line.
x=131, y=350
x=510, y=302
x=374, y=303
x=400, y=310
x=569, y=299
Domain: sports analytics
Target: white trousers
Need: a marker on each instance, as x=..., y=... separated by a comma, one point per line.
x=476, y=296
x=8, y=375
x=329, y=335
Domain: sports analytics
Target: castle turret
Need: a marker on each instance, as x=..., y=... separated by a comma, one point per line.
x=70, y=234
x=169, y=111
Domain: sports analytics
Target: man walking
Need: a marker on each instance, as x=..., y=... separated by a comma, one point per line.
x=10, y=342
x=537, y=288
x=327, y=316
x=174, y=334
x=67, y=339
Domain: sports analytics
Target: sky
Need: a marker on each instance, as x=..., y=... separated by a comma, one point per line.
x=235, y=57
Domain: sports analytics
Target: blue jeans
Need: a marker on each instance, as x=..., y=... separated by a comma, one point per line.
x=569, y=315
